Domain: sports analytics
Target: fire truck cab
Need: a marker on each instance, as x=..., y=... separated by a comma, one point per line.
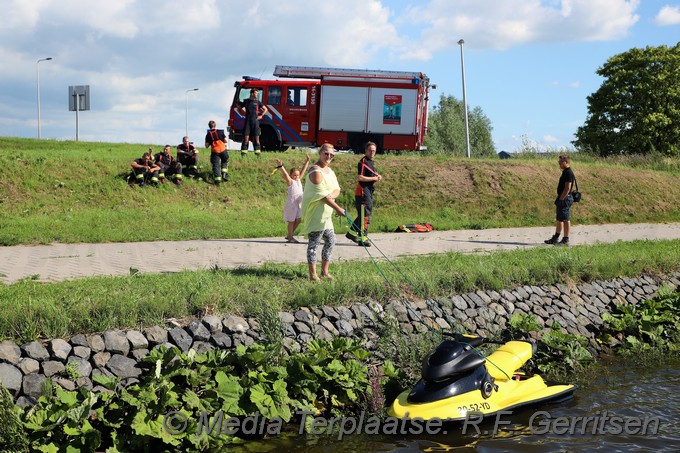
x=345, y=107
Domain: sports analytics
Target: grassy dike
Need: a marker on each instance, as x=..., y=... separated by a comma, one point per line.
x=54, y=191
x=74, y=192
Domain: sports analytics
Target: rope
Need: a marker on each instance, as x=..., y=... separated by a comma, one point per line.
x=419, y=291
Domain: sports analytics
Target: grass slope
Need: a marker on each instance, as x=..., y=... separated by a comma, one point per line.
x=56, y=191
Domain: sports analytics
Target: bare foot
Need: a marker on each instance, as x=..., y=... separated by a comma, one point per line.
x=328, y=276
x=291, y=240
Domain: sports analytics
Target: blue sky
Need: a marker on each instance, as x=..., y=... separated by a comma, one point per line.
x=529, y=64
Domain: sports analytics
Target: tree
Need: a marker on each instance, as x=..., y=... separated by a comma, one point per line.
x=446, y=130
x=636, y=110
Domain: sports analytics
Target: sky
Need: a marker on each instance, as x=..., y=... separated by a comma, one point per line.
x=529, y=64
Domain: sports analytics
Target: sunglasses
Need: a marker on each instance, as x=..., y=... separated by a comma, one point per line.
x=329, y=154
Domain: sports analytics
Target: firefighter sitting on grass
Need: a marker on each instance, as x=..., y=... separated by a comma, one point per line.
x=145, y=169
x=187, y=155
x=169, y=167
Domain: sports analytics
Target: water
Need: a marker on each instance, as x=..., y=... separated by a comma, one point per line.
x=632, y=394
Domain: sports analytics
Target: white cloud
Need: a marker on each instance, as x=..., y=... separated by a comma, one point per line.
x=549, y=139
x=668, y=15
x=501, y=24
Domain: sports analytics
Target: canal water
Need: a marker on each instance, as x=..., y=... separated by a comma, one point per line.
x=647, y=398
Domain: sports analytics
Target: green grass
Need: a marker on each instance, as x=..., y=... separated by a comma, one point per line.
x=32, y=310
x=56, y=191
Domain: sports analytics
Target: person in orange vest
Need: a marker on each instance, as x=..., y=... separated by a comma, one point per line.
x=219, y=155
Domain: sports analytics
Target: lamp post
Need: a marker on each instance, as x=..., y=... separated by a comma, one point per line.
x=37, y=71
x=467, y=130
x=186, y=110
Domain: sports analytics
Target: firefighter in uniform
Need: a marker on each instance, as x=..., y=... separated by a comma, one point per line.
x=219, y=154
x=168, y=166
x=253, y=110
x=187, y=155
x=145, y=169
x=363, y=196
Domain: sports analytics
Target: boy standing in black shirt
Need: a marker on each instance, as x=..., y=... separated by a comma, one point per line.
x=363, y=195
x=563, y=203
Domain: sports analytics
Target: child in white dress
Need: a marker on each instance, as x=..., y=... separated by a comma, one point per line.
x=292, y=212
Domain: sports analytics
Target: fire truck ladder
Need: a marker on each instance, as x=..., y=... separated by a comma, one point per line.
x=304, y=72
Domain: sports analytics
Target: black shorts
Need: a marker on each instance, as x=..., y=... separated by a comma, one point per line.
x=251, y=128
x=563, y=209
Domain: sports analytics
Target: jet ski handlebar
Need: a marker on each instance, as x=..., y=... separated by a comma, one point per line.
x=472, y=340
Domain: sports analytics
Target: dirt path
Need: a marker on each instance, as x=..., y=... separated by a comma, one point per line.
x=66, y=261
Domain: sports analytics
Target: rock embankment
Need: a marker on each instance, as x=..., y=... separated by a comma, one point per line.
x=72, y=363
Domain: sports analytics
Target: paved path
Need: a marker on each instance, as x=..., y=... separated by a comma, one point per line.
x=58, y=262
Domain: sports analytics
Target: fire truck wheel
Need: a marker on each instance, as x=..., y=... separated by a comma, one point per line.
x=270, y=142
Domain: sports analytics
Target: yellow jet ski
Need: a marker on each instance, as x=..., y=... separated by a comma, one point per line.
x=457, y=380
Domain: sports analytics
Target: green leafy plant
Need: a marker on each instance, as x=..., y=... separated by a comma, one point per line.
x=651, y=325
x=328, y=378
x=558, y=353
x=12, y=434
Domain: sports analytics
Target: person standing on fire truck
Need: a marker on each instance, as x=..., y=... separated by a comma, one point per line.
x=253, y=110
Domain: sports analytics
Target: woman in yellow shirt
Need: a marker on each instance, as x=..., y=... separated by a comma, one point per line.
x=318, y=204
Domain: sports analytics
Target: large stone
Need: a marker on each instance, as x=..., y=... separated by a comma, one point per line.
x=237, y=324
x=181, y=338
x=301, y=327
x=344, y=328
x=330, y=313
x=35, y=350
x=9, y=351
x=123, y=367
x=212, y=323
x=96, y=343
x=32, y=385
x=60, y=349
x=198, y=331
x=221, y=340
x=52, y=367
x=398, y=310
x=78, y=340
x=28, y=365
x=116, y=342
x=137, y=339
x=11, y=378
x=286, y=318
x=82, y=351
x=156, y=335
x=82, y=366
x=306, y=316
x=100, y=359
x=345, y=313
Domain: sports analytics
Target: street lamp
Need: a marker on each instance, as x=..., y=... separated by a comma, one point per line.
x=467, y=131
x=186, y=110
x=37, y=71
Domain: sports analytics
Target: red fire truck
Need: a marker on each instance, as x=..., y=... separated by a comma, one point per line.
x=345, y=107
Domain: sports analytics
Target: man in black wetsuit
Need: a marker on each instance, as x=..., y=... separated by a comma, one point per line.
x=253, y=110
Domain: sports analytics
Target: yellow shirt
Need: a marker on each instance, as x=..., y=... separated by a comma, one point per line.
x=317, y=215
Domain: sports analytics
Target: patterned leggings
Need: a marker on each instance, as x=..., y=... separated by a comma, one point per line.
x=315, y=240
